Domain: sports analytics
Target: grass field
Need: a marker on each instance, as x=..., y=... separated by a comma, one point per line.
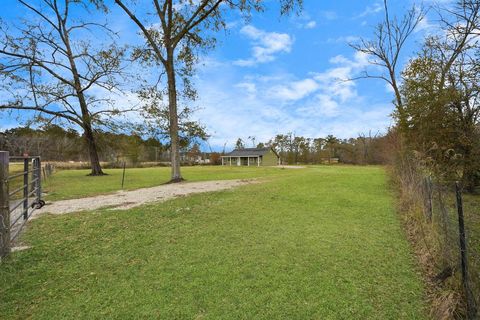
x=68, y=184
x=318, y=243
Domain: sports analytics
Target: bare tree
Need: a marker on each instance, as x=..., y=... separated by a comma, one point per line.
x=179, y=28
x=253, y=139
x=384, y=50
x=50, y=69
x=461, y=24
x=366, y=142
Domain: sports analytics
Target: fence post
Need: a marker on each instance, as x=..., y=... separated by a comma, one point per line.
x=38, y=170
x=123, y=175
x=428, y=186
x=4, y=206
x=25, y=188
x=471, y=309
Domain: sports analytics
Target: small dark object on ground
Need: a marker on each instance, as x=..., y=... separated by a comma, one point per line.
x=444, y=275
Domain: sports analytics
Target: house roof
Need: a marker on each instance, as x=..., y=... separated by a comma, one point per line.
x=252, y=152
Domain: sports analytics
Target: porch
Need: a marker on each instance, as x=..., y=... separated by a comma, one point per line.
x=242, y=161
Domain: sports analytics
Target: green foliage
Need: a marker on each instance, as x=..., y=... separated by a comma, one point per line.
x=318, y=243
x=364, y=149
x=437, y=96
x=442, y=112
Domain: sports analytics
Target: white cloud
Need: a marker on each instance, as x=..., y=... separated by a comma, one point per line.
x=336, y=81
x=343, y=39
x=424, y=24
x=233, y=24
x=248, y=86
x=126, y=101
x=329, y=15
x=321, y=104
x=305, y=20
x=372, y=9
x=265, y=45
x=310, y=25
x=264, y=105
x=427, y=27
x=295, y=90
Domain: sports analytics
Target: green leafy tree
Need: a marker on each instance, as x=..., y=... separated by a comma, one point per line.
x=280, y=144
x=443, y=115
x=331, y=144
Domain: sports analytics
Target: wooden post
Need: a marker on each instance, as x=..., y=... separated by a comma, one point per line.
x=37, y=165
x=25, y=188
x=222, y=161
x=248, y=161
x=471, y=310
x=123, y=175
x=4, y=206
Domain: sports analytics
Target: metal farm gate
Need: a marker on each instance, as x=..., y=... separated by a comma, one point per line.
x=20, y=195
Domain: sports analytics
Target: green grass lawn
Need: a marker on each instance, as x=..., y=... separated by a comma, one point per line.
x=68, y=184
x=319, y=243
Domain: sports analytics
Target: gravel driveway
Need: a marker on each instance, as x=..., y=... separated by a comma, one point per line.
x=128, y=199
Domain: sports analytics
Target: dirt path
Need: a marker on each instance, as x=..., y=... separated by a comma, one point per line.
x=128, y=199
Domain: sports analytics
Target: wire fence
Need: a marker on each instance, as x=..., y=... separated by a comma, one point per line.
x=452, y=233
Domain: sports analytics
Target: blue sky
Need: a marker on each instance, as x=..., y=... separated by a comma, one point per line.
x=286, y=74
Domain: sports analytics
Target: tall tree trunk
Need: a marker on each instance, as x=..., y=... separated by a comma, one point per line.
x=96, y=169
x=173, y=119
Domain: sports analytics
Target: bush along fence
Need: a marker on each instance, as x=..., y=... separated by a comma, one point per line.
x=20, y=196
x=451, y=232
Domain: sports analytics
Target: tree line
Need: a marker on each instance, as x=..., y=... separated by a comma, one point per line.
x=54, y=143
x=293, y=149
